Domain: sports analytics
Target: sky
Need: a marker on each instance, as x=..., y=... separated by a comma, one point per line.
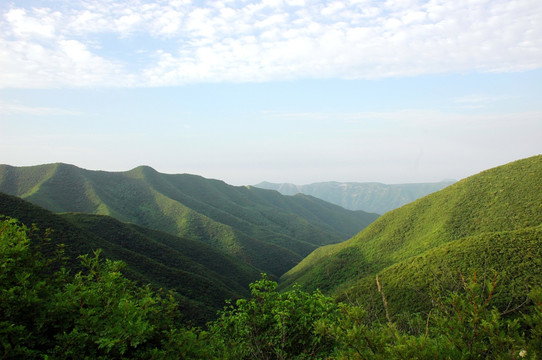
x=297, y=91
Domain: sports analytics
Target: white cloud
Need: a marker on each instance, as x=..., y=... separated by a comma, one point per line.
x=106, y=43
x=40, y=24
x=332, y=8
x=295, y=2
x=128, y=22
x=62, y=63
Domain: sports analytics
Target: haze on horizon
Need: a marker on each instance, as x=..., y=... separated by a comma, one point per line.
x=293, y=91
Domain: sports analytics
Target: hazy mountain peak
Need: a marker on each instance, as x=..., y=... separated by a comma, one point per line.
x=372, y=197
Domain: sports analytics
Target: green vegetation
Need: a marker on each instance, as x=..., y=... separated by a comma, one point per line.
x=97, y=313
x=273, y=325
x=371, y=197
x=490, y=221
x=202, y=276
x=515, y=255
x=262, y=228
x=46, y=312
x=454, y=275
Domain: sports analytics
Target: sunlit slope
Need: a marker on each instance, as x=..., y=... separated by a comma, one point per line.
x=503, y=199
x=514, y=256
x=263, y=228
x=203, y=276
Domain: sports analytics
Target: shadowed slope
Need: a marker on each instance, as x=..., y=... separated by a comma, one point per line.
x=203, y=276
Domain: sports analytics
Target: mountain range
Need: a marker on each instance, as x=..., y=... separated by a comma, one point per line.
x=207, y=240
x=372, y=197
x=487, y=223
x=261, y=228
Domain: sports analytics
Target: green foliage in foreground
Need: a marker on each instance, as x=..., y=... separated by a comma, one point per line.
x=273, y=325
x=299, y=325
x=48, y=313
x=45, y=312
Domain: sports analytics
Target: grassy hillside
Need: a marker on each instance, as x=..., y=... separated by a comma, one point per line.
x=515, y=256
x=487, y=221
x=372, y=197
x=263, y=228
x=203, y=276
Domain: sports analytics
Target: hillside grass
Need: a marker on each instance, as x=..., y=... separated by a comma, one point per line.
x=503, y=199
x=515, y=257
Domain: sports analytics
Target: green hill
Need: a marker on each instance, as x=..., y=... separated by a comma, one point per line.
x=490, y=221
x=263, y=228
x=371, y=196
x=515, y=256
x=203, y=276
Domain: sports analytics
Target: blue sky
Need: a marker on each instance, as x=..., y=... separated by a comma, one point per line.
x=281, y=90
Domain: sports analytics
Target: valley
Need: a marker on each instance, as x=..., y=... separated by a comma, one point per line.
x=259, y=227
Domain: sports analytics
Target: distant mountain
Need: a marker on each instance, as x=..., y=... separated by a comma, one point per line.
x=203, y=276
x=485, y=223
x=371, y=197
x=263, y=228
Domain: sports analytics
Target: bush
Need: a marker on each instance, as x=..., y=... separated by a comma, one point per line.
x=273, y=325
x=47, y=313
x=97, y=313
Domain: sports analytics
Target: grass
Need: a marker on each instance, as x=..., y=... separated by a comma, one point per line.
x=500, y=200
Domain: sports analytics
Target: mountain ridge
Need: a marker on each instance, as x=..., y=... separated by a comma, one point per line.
x=262, y=227
x=372, y=197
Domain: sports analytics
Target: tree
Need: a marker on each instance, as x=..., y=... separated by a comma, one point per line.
x=27, y=287
x=273, y=325
x=97, y=313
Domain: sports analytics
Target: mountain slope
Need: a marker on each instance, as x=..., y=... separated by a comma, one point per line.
x=515, y=256
x=499, y=203
x=203, y=276
x=372, y=197
x=263, y=228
